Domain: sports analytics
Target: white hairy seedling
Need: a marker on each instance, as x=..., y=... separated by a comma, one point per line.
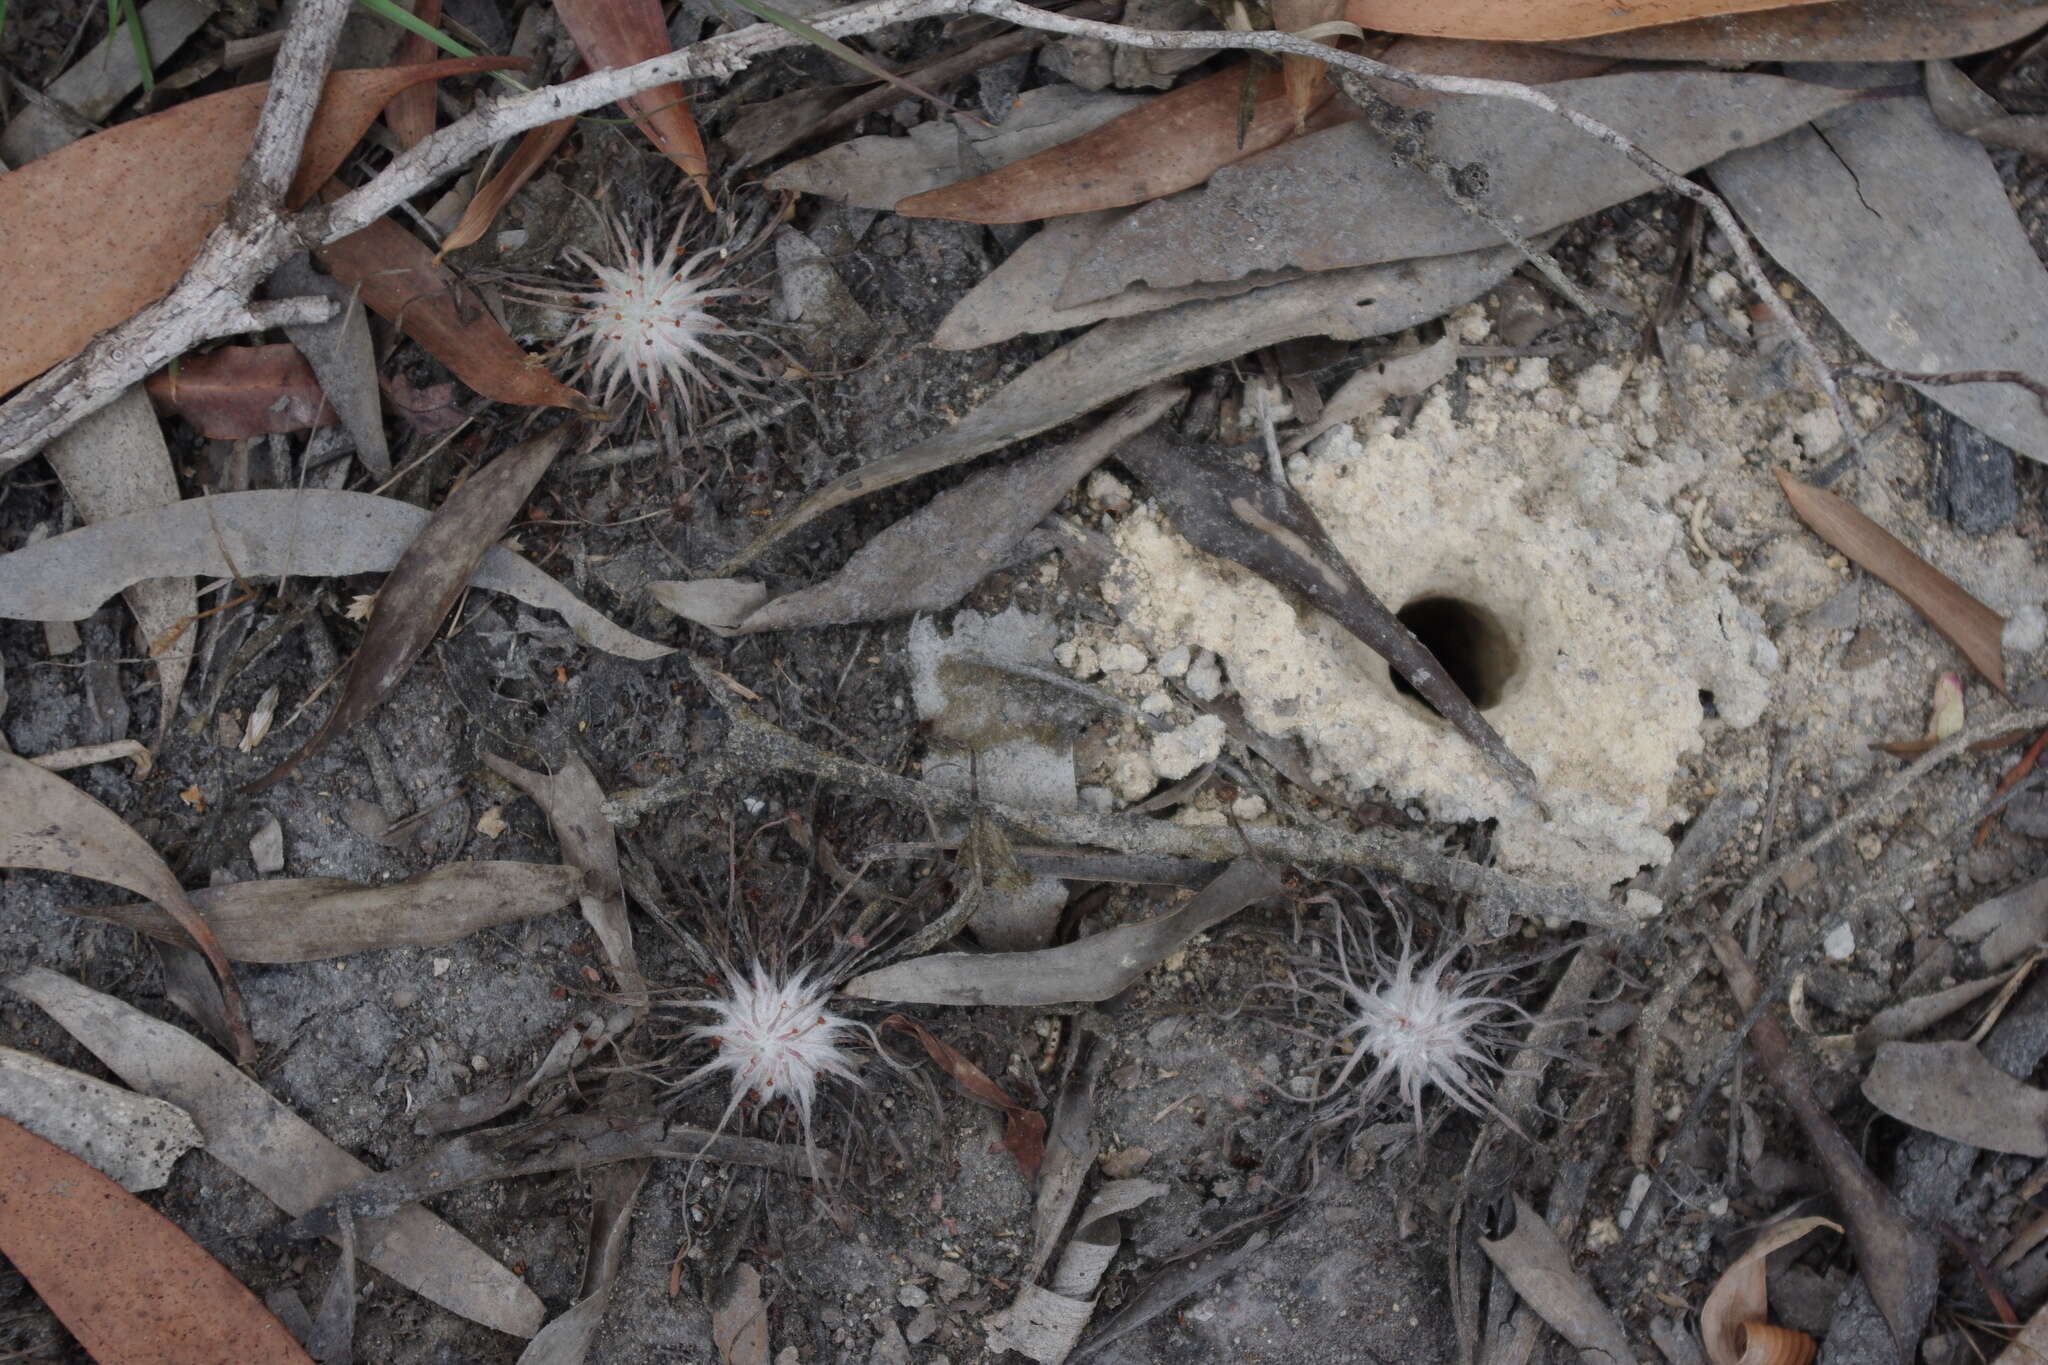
x=651, y=323
x=1422, y=1025
x=775, y=1040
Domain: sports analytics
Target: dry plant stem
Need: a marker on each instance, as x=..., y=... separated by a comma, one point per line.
x=241, y=254
x=754, y=748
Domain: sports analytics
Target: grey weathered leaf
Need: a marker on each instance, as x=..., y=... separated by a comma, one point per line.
x=739, y=1319
x=1842, y=31
x=574, y=804
x=1094, y=968
x=1125, y=355
x=568, y=1339
x=278, y=1152
x=1339, y=198
x=47, y=823
x=1961, y=107
x=933, y=557
x=104, y=74
x=314, y=918
x=2008, y=926
x=1540, y=1268
x=263, y=534
x=878, y=172
x=1869, y=210
x=342, y=356
x=132, y=1138
x=1394, y=376
x=1953, y=1090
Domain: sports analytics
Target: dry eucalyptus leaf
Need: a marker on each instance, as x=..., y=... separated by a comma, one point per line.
x=234, y=392
x=1842, y=31
x=1539, y=1266
x=1953, y=1090
x=739, y=1319
x=619, y=33
x=1963, y=108
x=122, y=1278
x=1123, y=356
x=574, y=804
x=932, y=558
x=48, y=824
x=133, y=1139
x=1338, y=198
x=568, y=1339
x=341, y=353
x=1397, y=376
x=1094, y=968
x=1535, y=21
x=1961, y=619
x=1739, y=1302
x=260, y=535
x=2007, y=927
x=282, y=1155
x=416, y=599
x=1868, y=210
x=880, y=172
x=314, y=918
x=104, y=74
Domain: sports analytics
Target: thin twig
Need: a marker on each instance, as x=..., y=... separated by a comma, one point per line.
x=1883, y=375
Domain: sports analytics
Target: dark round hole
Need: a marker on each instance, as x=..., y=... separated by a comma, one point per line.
x=1468, y=640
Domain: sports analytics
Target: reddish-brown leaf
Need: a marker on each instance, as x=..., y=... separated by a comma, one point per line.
x=1845, y=31
x=1961, y=619
x=1180, y=139
x=1536, y=21
x=410, y=114
x=422, y=587
x=47, y=823
x=126, y=1282
x=1023, y=1129
x=240, y=391
x=615, y=33
x=485, y=206
x=1305, y=76
x=398, y=279
x=100, y=229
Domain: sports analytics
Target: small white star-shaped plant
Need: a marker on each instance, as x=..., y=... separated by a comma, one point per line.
x=775, y=1040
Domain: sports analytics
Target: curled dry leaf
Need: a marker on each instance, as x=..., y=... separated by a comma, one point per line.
x=1535, y=21
x=97, y=230
x=1843, y=31
x=1961, y=619
x=1539, y=1266
x=47, y=823
x=278, y=1152
x=240, y=391
x=484, y=207
x=120, y=1276
x=398, y=279
x=314, y=918
x=1733, y=1321
x=616, y=33
x=425, y=582
x=259, y=535
x=1023, y=1129
x=1163, y=145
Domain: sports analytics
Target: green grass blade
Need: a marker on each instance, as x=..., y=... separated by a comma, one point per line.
x=412, y=23
x=122, y=13
x=824, y=42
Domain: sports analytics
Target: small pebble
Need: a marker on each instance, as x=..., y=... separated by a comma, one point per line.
x=1205, y=676
x=1531, y=374
x=1840, y=943
x=911, y=1296
x=1109, y=492
x=1174, y=662
x=1122, y=658
x=404, y=998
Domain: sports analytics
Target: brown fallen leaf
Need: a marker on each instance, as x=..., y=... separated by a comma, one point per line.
x=616, y=33
x=398, y=279
x=568, y=1339
x=1960, y=619
x=1023, y=1129
x=97, y=230
x=1733, y=1321
x=240, y=391
x=1307, y=80
x=1164, y=145
x=410, y=113
x=314, y=918
x=1844, y=31
x=739, y=1319
x=425, y=582
x=1539, y=1266
x=487, y=203
x=47, y=823
x=119, y=1275
x=1894, y=1255
x=1535, y=21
